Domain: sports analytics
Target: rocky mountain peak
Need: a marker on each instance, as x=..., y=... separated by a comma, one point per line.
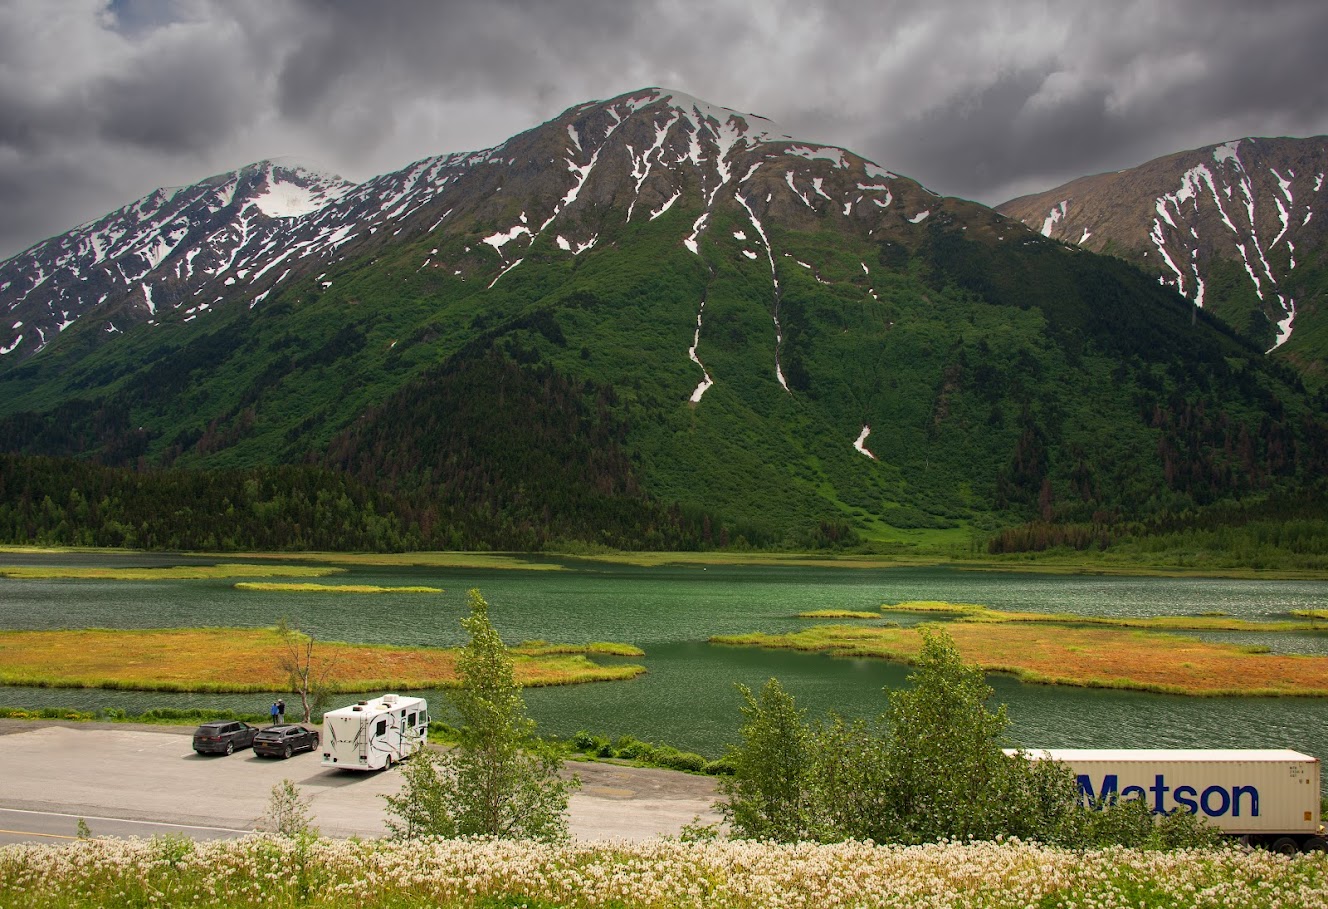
x=185, y=250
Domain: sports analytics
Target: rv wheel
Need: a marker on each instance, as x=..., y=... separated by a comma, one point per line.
x=1285, y=845
x=387, y=765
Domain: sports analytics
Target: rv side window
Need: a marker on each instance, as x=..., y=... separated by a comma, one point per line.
x=382, y=728
x=424, y=718
x=410, y=719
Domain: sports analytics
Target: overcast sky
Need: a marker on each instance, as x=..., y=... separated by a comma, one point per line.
x=101, y=102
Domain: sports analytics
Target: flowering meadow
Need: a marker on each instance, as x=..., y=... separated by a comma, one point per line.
x=275, y=871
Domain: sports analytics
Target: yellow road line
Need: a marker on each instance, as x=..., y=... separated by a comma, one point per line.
x=54, y=836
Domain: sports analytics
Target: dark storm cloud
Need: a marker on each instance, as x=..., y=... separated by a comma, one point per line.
x=100, y=102
x=1131, y=84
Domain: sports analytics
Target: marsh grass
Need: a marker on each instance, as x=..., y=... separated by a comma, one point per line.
x=268, y=586
x=602, y=648
x=1079, y=656
x=970, y=612
x=838, y=614
x=246, y=660
x=496, y=560
x=174, y=573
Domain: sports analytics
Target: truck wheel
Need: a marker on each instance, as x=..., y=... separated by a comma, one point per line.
x=1285, y=845
x=1315, y=844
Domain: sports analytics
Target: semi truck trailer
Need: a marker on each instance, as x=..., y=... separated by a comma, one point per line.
x=1266, y=797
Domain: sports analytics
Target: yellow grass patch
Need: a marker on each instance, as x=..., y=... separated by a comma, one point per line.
x=174, y=573
x=838, y=614
x=331, y=588
x=502, y=560
x=1085, y=657
x=603, y=648
x=248, y=660
x=969, y=612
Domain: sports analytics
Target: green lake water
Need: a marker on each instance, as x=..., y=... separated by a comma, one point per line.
x=688, y=698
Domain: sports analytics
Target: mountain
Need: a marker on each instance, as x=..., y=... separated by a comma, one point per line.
x=651, y=321
x=161, y=252
x=1240, y=228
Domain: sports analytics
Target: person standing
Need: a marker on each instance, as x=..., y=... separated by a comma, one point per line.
x=273, y=711
x=281, y=711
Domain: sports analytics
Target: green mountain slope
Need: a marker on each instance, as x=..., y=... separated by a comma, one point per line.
x=538, y=387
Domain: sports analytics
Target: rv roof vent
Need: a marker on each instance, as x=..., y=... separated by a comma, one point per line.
x=357, y=707
x=389, y=699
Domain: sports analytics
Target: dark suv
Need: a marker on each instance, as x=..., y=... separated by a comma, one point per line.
x=283, y=741
x=223, y=737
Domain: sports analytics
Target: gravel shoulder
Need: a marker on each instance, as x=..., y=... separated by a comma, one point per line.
x=144, y=772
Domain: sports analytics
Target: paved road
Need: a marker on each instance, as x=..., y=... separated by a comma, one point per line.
x=22, y=826
x=142, y=781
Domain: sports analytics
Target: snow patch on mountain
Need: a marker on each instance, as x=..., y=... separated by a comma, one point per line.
x=1055, y=215
x=860, y=443
x=706, y=381
x=287, y=200
x=818, y=153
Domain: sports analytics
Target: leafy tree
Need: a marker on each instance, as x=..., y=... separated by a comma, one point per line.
x=499, y=780
x=423, y=806
x=308, y=675
x=769, y=794
x=933, y=767
x=948, y=775
x=851, y=775
x=288, y=812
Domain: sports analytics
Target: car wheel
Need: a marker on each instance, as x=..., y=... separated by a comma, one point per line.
x=288, y=752
x=230, y=747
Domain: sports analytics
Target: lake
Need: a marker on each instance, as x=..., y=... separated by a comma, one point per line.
x=688, y=697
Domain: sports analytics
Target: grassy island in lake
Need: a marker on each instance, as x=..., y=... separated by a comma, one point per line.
x=1079, y=656
x=969, y=612
x=172, y=573
x=267, y=587
x=249, y=660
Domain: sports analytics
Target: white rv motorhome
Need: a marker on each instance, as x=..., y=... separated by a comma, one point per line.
x=375, y=734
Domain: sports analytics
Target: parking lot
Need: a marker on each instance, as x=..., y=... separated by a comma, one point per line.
x=151, y=774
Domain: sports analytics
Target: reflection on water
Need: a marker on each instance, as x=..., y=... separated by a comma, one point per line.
x=688, y=697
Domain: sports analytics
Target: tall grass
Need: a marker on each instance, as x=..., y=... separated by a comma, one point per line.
x=278, y=872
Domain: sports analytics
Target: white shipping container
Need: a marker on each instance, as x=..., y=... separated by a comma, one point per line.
x=1264, y=792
